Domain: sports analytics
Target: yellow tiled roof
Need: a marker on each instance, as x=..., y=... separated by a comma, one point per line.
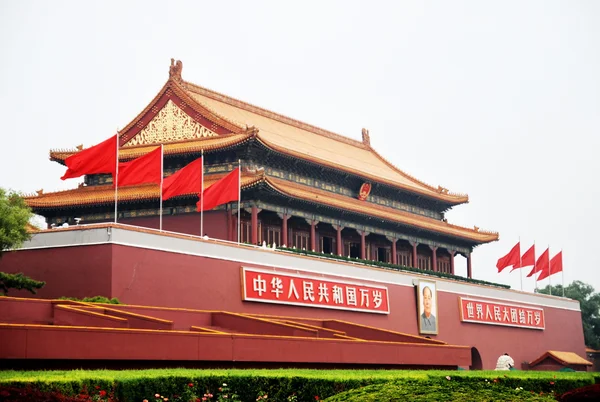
x=173, y=148
x=569, y=357
x=564, y=358
x=305, y=141
x=280, y=133
x=105, y=194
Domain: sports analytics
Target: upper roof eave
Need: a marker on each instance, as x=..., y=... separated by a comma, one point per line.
x=451, y=199
x=350, y=204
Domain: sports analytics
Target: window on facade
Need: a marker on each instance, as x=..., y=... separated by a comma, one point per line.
x=383, y=254
x=444, y=266
x=327, y=245
x=424, y=262
x=302, y=240
x=352, y=249
x=246, y=232
x=405, y=258
x=273, y=235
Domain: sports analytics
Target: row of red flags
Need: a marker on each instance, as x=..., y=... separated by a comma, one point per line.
x=102, y=158
x=543, y=265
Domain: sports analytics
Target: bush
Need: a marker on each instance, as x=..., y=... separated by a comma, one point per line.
x=418, y=391
x=95, y=299
x=294, y=385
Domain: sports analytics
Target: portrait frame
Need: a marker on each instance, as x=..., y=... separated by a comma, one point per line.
x=432, y=285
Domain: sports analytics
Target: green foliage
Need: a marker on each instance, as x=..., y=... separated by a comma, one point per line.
x=394, y=267
x=590, y=308
x=94, y=299
x=304, y=385
x=14, y=216
x=438, y=391
x=18, y=282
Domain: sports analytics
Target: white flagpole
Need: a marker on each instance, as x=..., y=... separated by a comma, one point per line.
x=534, y=261
x=116, y=175
x=202, y=195
x=520, y=264
x=239, y=198
x=549, y=276
x=563, y=273
x=162, y=167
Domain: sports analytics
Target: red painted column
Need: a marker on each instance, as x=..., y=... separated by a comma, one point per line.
x=434, y=266
x=363, y=248
x=394, y=252
x=284, y=230
x=340, y=245
x=452, y=262
x=469, y=269
x=415, y=262
x=313, y=235
x=254, y=223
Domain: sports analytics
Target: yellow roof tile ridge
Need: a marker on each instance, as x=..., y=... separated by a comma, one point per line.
x=181, y=91
x=279, y=185
x=271, y=115
x=439, y=189
x=474, y=229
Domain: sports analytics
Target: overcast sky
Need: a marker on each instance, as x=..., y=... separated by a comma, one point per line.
x=500, y=100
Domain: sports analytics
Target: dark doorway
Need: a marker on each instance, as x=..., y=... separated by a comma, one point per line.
x=354, y=250
x=326, y=245
x=476, y=363
x=382, y=254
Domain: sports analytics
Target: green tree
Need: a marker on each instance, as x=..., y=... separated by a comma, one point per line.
x=590, y=308
x=18, y=282
x=14, y=218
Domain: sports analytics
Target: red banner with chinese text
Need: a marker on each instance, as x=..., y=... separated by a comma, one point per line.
x=495, y=313
x=310, y=291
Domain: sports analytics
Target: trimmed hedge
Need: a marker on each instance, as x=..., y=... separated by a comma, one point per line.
x=284, y=385
x=394, y=267
x=94, y=299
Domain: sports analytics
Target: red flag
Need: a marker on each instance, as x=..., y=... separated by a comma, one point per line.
x=527, y=259
x=225, y=190
x=512, y=258
x=555, y=266
x=541, y=264
x=100, y=158
x=186, y=180
x=145, y=169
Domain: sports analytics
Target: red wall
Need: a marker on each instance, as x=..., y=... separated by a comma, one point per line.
x=204, y=283
x=149, y=277
x=215, y=223
x=81, y=271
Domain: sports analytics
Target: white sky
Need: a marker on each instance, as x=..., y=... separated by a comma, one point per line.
x=500, y=100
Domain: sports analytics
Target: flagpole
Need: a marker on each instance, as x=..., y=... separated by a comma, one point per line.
x=563, y=273
x=116, y=174
x=534, y=261
x=549, y=279
x=520, y=264
x=239, y=197
x=162, y=173
x=202, y=195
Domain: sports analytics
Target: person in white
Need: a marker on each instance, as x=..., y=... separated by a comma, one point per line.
x=505, y=362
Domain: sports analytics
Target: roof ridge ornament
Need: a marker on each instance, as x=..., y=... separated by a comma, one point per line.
x=366, y=139
x=175, y=71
